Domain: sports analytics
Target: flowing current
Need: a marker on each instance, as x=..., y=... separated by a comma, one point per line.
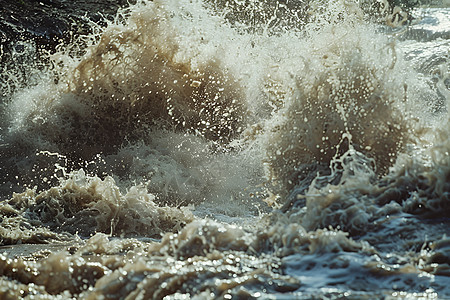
x=231, y=150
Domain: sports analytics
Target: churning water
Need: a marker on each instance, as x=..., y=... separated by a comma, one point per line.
x=233, y=150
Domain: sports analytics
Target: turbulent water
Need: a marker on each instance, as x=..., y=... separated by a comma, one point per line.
x=231, y=150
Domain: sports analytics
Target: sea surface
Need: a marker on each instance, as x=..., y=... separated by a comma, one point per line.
x=220, y=149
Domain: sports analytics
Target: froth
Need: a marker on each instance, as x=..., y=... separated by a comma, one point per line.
x=143, y=74
x=85, y=205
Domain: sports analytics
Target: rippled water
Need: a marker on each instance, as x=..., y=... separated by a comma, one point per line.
x=232, y=150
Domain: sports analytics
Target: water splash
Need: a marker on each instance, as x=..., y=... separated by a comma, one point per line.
x=185, y=115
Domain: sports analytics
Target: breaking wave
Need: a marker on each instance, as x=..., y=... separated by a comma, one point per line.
x=224, y=149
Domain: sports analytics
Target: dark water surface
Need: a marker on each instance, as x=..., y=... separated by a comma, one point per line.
x=224, y=150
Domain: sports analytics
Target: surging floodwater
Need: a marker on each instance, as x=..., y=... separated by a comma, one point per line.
x=232, y=150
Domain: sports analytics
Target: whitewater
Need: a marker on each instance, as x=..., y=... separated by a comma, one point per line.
x=219, y=149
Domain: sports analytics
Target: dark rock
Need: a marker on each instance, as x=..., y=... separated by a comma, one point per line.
x=47, y=23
